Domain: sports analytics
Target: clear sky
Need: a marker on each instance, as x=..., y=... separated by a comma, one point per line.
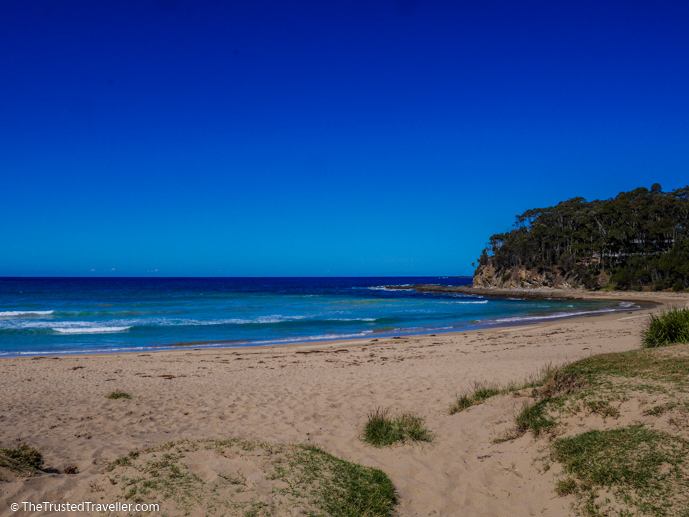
x=315, y=138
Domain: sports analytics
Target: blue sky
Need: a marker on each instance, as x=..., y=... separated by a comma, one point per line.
x=314, y=138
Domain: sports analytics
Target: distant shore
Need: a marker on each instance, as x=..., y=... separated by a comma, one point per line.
x=543, y=293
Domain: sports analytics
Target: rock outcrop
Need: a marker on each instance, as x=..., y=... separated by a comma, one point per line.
x=488, y=276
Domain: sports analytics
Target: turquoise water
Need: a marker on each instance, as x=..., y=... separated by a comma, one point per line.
x=78, y=315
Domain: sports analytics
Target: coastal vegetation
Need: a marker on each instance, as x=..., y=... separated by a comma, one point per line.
x=638, y=239
x=383, y=430
x=631, y=457
x=482, y=391
x=668, y=327
x=23, y=459
x=641, y=467
x=234, y=477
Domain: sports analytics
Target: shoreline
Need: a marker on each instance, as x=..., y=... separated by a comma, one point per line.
x=644, y=302
x=540, y=293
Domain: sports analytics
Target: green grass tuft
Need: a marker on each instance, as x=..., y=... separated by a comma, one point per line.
x=119, y=395
x=565, y=487
x=478, y=395
x=669, y=327
x=534, y=418
x=383, y=430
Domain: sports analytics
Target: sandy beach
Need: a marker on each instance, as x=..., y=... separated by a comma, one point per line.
x=317, y=393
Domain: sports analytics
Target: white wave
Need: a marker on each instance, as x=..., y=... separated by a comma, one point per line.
x=385, y=288
x=177, y=322
x=323, y=337
x=480, y=302
x=24, y=324
x=219, y=344
x=628, y=305
x=10, y=314
x=88, y=351
x=88, y=330
x=350, y=319
x=552, y=316
x=170, y=322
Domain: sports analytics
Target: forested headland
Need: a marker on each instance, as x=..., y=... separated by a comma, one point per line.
x=636, y=240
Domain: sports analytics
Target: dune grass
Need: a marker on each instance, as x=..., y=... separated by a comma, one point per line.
x=482, y=391
x=22, y=459
x=383, y=430
x=625, y=470
x=345, y=489
x=669, y=327
x=534, y=418
x=478, y=395
x=643, y=468
x=295, y=479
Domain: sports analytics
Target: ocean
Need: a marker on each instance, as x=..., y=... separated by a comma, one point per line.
x=41, y=316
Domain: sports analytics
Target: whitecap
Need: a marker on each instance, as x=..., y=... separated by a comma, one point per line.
x=552, y=316
x=10, y=314
x=386, y=288
x=351, y=319
x=89, y=330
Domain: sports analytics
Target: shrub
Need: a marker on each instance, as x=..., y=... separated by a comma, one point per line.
x=669, y=327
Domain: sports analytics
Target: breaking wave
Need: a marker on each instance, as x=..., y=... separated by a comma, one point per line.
x=89, y=330
x=15, y=314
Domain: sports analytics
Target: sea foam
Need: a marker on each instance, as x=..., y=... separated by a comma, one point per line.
x=14, y=314
x=89, y=330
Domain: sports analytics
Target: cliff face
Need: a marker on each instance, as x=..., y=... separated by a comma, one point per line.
x=521, y=277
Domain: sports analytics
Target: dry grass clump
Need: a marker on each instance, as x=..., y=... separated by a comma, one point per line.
x=560, y=382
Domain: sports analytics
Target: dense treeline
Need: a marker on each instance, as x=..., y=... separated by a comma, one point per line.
x=639, y=238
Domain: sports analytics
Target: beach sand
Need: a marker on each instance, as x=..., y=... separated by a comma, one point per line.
x=315, y=394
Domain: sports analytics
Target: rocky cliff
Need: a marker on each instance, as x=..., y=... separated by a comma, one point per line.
x=521, y=277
